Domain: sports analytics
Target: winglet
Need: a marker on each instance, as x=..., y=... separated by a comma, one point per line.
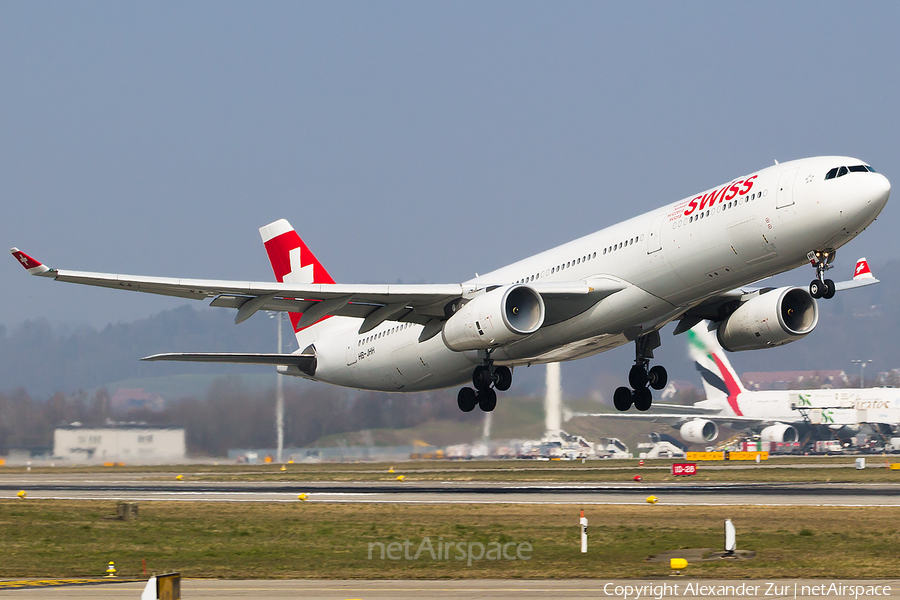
x=862, y=270
x=32, y=266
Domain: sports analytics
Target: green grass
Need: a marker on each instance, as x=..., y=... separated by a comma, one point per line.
x=54, y=538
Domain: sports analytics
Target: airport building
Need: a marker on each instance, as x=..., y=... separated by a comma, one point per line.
x=128, y=444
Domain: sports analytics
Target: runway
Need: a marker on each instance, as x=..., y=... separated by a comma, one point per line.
x=670, y=588
x=144, y=487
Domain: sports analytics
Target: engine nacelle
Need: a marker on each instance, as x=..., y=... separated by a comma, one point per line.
x=495, y=318
x=779, y=432
x=771, y=319
x=698, y=431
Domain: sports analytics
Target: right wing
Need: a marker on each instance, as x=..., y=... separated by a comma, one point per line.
x=713, y=308
x=676, y=419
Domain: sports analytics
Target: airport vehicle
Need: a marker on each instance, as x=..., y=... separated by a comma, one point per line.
x=683, y=261
x=780, y=416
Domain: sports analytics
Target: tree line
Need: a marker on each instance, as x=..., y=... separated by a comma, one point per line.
x=228, y=416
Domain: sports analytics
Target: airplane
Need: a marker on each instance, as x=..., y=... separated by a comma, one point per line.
x=782, y=416
x=685, y=261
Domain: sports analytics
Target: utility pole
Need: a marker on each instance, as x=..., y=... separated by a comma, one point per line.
x=279, y=396
x=862, y=370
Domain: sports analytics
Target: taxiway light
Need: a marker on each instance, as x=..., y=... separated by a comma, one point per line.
x=111, y=569
x=677, y=564
x=652, y=499
x=283, y=468
x=180, y=477
x=391, y=470
x=640, y=463
x=637, y=478
x=21, y=494
x=303, y=497
x=401, y=477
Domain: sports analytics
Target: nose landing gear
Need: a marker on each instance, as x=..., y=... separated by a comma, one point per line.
x=486, y=379
x=821, y=260
x=641, y=375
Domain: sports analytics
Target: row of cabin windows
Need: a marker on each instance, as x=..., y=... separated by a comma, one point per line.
x=380, y=335
x=722, y=207
x=841, y=171
x=621, y=245
x=556, y=269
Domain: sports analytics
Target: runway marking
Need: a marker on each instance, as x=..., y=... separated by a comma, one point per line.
x=42, y=583
x=293, y=500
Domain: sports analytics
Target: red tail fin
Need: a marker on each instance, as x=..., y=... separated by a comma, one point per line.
x=291, y=260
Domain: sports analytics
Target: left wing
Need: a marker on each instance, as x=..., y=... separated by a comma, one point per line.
x=425, y=304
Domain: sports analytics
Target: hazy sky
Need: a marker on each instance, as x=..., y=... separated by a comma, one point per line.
x=413, y=141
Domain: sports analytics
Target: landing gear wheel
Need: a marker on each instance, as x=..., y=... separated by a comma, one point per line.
x=487, y=400
x=481, y=378
x=638, y=377
x=643, y=398
x=816, y=289
x=503, y=378
x=829, y=289
x=466, y=399
x=622, y=399
x=658, y=377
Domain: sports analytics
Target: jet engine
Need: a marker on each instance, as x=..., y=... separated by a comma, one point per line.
x=779, y=432
x=698, y=431
x=495, y=318
x=773, y=318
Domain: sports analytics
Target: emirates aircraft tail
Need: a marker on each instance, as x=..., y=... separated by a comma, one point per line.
x=719, y=378
x=292, y=262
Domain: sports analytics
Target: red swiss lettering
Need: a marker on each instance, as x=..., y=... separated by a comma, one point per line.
x=748, y=185
x=733, y=190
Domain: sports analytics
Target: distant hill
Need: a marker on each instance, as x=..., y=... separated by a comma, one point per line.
x=45, y=358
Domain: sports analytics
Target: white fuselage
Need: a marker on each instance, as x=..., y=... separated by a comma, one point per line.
x=668, y=260
x=824, y=406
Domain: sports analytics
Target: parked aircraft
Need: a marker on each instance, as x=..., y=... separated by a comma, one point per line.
x=684, y=261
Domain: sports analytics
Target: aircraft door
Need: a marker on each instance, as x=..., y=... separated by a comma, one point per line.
x=654, y=236
x=352, y=352
x=785, y=195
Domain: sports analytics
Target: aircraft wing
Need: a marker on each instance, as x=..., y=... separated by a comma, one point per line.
x=426, y=304
x=683, y=417
x=713, y=307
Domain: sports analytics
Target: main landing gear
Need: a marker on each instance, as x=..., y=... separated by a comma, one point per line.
x=821, y=260
x=642, y=375
x=487, y=379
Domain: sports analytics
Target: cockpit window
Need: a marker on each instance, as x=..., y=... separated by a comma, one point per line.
x=841, y=171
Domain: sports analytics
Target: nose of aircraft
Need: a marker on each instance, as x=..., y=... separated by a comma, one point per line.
x=872, y=195
x=881, y=190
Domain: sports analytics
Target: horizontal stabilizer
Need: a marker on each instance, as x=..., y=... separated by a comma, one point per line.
x=304, y=362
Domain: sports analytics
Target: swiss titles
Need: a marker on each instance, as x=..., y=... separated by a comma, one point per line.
x=723, y=194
